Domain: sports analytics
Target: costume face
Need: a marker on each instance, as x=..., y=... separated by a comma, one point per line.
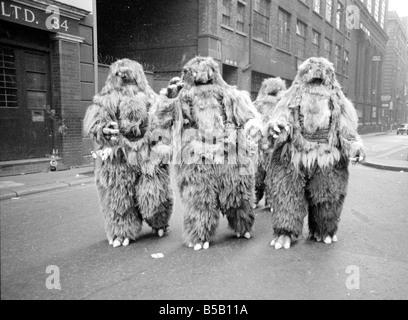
x=127, y=72
x=200, y=71
x=316, y=72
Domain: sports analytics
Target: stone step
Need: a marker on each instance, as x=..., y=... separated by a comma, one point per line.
x=17, y=167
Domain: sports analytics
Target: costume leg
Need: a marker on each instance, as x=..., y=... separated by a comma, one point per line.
x=198, y=190
x=155, y=199
x=236, y=198
x=115, y=183
x=327, y=191
x=260, y=183
x=287, y=192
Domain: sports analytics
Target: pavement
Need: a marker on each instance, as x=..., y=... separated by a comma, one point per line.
x=385, y=151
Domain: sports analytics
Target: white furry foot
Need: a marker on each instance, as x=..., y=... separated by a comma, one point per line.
x=247, y=235
x=334, y=239
x=160, y=233
x=198, y=247
x=190, y=245
x=318, y=238
x=281, y=242
x=206, y=245
x=328, y=240
x=238, y=235
x=110, y=241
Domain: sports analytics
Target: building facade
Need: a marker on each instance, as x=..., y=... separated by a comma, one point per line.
x=368, y=47
x=395, y=79
x=251, y=40
x=47, y=80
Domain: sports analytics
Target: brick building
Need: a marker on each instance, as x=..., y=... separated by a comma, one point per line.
x=368, y=47
x=164, y=35
x=46, y=81
x=395, y=70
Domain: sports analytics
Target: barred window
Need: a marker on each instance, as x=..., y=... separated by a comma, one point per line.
x=241, y=17
x=284, y=30
x=316, y=43
x=339, y=15
x=317, y=6
x=262, y=19
x=329, y=10
x=8, y=83
x=301, y=39
x=327, y=48
x=226, y=12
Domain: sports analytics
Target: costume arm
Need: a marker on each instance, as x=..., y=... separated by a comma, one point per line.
x=348, y=123
x=95, y=120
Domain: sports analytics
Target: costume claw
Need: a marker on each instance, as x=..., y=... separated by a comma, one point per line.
x=247, y=235
x=238, y=235
x=117, y=243
x=334, y=239
x=328, y=240
x=160, y=233
x=126, y=242
x=198, y=247
x=110, y=242
x=206, y=245
x=190, y=245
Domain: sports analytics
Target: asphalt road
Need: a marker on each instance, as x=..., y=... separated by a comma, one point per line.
x=64, y=228
x=390, y=148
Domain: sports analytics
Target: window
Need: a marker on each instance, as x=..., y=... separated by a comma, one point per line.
x=317, y=6
x=8, y=84
x=284, y=30
x=339, y=16
x=241, y=17
x=226, y=12
x=337, y=61
x=369, y=5
x=346, y=63
x=377, y=10
x=327, y=48
x=316, y=44
x=382, y=20
x=301, y=39
x=262, y=19
x=329, y=10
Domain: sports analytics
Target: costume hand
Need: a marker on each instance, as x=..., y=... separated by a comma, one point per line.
x=276, y=128
x=111, y=131
x=358, y=157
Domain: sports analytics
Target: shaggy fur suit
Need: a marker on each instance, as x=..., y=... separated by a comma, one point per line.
x=215, y=128
x=268, y=97
x=132, y=181
x=314, y=128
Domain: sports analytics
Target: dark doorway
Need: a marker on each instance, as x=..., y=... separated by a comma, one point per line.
x=27, y=128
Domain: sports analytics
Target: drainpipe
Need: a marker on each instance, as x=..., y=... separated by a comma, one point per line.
x=249, y=65
x=95, y=45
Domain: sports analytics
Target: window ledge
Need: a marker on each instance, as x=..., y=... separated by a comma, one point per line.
x=227, y=27
x=263, y=42
x=241, y=33
x=329, y=23
x=284, y=51
x=318, y=14
x=305, y=4
x=242, y=2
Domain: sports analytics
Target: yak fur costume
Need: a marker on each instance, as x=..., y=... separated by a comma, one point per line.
x=132, y=181
x=268, y=97
x=315, y=131
x=218, y=128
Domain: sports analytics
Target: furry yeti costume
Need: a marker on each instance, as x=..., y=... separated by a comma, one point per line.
x=315, y=131
x=218, y=127
x=132, y=182
x=268, y=97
